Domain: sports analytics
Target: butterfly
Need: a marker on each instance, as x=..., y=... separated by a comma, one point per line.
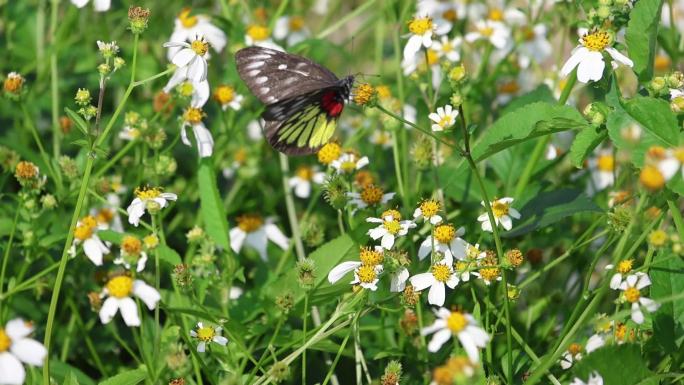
x=303, y=99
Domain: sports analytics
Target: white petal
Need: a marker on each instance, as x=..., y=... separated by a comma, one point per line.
x=237, y=238
x=513, y=213
x=183, y=57
x=205, y=142
x=412, y=46
x=18, y=328
x=649, y=304
x=108, y=310
x=506, y=222
x=438, y=339
x=398, y=281
x=11, y=370
x=29, y=351
x=221, y=340
x=135, y=211
x=644, y=281
x=615, y=281
x=93, y=249
x=303, y=189
x=422, y=281
x=591, y=67
x=470, y=347
x=201, y=347
x=615, y=54
x=637, y=315
x=341, y=270
x=276, y=236
x=129, y=311
x=387, y=241
x=436, y=294
x=594, y=342
x=573, y=60
x=425, y=248
x=200, y=94
x=146, y=293
x=79, y=4
x=102, y=5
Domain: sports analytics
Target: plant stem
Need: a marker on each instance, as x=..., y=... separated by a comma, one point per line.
x=54, y=81
x=291, y=211
x=5, y=256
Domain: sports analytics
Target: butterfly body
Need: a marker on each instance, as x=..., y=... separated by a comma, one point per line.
x=303, y=99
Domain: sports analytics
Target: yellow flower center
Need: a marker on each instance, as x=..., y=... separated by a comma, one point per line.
x=460, y=266
x=257, y=32
x=13, y=83
x=574, y=349
x=392, y=226
x=625, y=266
x=605, y=163
x=446, y=121
x=26, y=170
x=5, y=341
x=206, y=333
x=363, y=178
x=457, y=322
x=120, y=287
x=486, y=31
x=296, y=23
x=249, y=222
x=656, y=152
x=185, y=89
x=632, y=294
x=429, y=208
x=151, y=241
x=490, y=274
x=657, y=237
x=596, y=41
x=224, y=94
x=89, y=221
x=651, y=178
x=371, y=194
x=679, y=154
x=105, y=215
x=445, y=233
x=420, y=25
x=147, y=192
x=305, y=172
x=329, y=152
x=500, y=208
x=366, y=273
x=185, y=18
x=496, y=14
x=363, y=93
x=450, y=15
x=240, y=155
x=193, y=115
x=432, y=57
x=472, y=252
x=528, y=33
x=441, y=272
x=510, y=87
x=394, y=213
x=200, y=47
x=369, y=256
x=83, y=232
x=383, y=91
x=662, y=63
x=131, y=245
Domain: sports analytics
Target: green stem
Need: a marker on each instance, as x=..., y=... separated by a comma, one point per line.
x=54, y=81
x=424, y=131
x=676, y=217
x=305, y=319
x=39, y=143
x=342, y=21
x=5, y=256
x=115, y=158
x=291, y=211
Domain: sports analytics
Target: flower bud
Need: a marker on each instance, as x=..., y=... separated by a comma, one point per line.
x=677, y=104
x=285, y=302
x=657, y=85
x=195, y=234
x=48, y=201
x=119, y=63
x=457, y=73
x=13, y=84
x=306, y=273
x=675, y=80
x=335, y=192
x=104, y=69
x=392, y=374
x=137, y=18
x=82, y=97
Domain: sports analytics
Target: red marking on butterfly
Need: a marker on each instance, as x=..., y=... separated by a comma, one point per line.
x=331, y=104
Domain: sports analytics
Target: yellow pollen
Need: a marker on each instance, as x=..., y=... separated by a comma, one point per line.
x=5, y=341
x=392, y=226
x=450, y=15
x=420, y=25
x=105, y=215
x=657, y=238
x=371, y=194
x=490, y=274
x=249, y=222
x=296, y=23
x=193, y=115
x=574, y=349
x=432, y=57
x=605, y=163
x=445, y=233
x=457, y=322
x=632, y=294
x=651, y=178
x=83, y=232
x=496, y=14
x=186, y=20
x=441, y=272
x=200, y=47
x=625, y=266
x=510, y=87
x=26, y=170
x=383, y=91
x=363, y=93
x=369, y=256
x=596, y=41
x=500, y=208
x=394, y=213
x=429, y=208
x=305, y=172
x=224, y=94
x=240, y=155
x=329, y=152
x=131, y=245
x=257, y=32
x=366, y=273
x=13, y=83
x=147, y=192
x=206, y=333
x=486, y=31
x=120, y=287
x=185, y=89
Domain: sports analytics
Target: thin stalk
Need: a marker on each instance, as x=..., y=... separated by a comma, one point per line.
x=291, y=211
x=5, y=256
x=424, y=131
x=115, y=158
x=305, y=319
x=54, y=81
x=342, y=21
x=39, y=143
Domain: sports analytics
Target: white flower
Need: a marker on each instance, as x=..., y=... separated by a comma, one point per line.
x=15, y=348
x=502, y=210
x=98, y=5
x=535, y=46
x=671, y=163
x=205, y=141
x=594, y=379
x=595, y=341
x=588, y=57
x=253, y=231
x=227, y=97
x=631, y=291
x=147, y=198
x=131, y=253
x=206, y=335
x=570, y=356
x=118, y=291
x=188, y=27
x=461, y=325
x=494, y=32
x=448, y=49
x=303, y=178
x=391, y=227
x=85, y=233
x=349, y=162
x=365, y=275
x=421, y=30
x=428, y=210
x=466, y=267
x=398, y=280
x=292, y=28
x=440, y=275
x=419, y=60
x=602, y=170
x=444, y=118
x=258, y=35
x=190, y=59
x=445, y=239
x=107, y=49
x=197, y=90
x=370, y=195
x=381, y=138
x=129, y=133
x=623, y=268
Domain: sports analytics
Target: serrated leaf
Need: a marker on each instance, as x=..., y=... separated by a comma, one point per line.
x=667, y=275
x=655, y=116
x=550, y=207
x=78, y=120
x=585, y=142
x=131, y=377
x=211, y=205
x=617, y=364
x=641, y=36
x=168, y=255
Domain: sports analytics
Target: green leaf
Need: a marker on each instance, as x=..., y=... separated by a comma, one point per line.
x=211, y=207
x=527, y=122
x=550, y=207
x=540, y=94
x=618, y=120
x=169, y=255
x=78, y=120
x=70, y=379
x=585, y=142
x=617, y=364
x=655, y=116
x=667, y=275
x=641, y=36
x=111, y=236
x=60, y=371
x=130, y=377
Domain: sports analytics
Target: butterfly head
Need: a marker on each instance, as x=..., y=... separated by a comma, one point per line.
x=347, y=83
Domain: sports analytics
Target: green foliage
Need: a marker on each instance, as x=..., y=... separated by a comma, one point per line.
x=641, y=35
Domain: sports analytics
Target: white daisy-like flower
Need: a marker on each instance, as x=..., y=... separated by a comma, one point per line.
x=444, y=14
x=421, y=29
x=422, y=61
x=398, y=280
x=303, y=179
x=570, y=356
x=440, y=275
x=462, y=325
x=588, y=57
x=206, y=335
x=535, y=46
x=594, y=342
x=602, y=170
x=118, y=291
x=498, y=11
x=448, y=49
x=428, y=211
x=132, y=254
x=107, y=216
x=192, y=117
x=623, y=269
x=98, y=5
x=198, y=91
x=85, y=234
x=292, y=29
x=190, y=58
x=671, y=163
x=15, y=348
x=187, y=27
x=631, y=291
x=239, y=160
x=147, y=198
x=503, y=212
x=445, y=239
x=349, y=162
x=382, y=138
x=367, y=276
x=252, y=230
x=444, y=118
x=498, y=34
x=390, y=228
x=259, y=35
x=235, y=292
x=370, y=195
x=225, y=95
x=468, y=266
x=594, y=379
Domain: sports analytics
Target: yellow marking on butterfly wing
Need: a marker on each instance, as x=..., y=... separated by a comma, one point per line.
x=323, y=132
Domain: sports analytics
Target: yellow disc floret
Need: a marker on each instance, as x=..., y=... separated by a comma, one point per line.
x=120, y=286
x=296, y=23
x=574, y=349
x=429, y=208
x=193, y=115
x=363, y=93
x=420, y=25
x=224, y=94
x=371, y=194
x=366, y=273
x=83, y=232
x=206, y=333
x=329, y=152
x=370, y=256
x=147, y=192
x=391, y=212
x=257, y=32
x=651, y=178
x=131, y=245
x=5, y=341
x=186, y=20
x=441, y=272
x=625, y=266
x=457, y=322
x=632, y=294
x=249, y=222
x=200, y=47
x=445, y=233
x=305, y=172
x=597, y=41
x=500, y=208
